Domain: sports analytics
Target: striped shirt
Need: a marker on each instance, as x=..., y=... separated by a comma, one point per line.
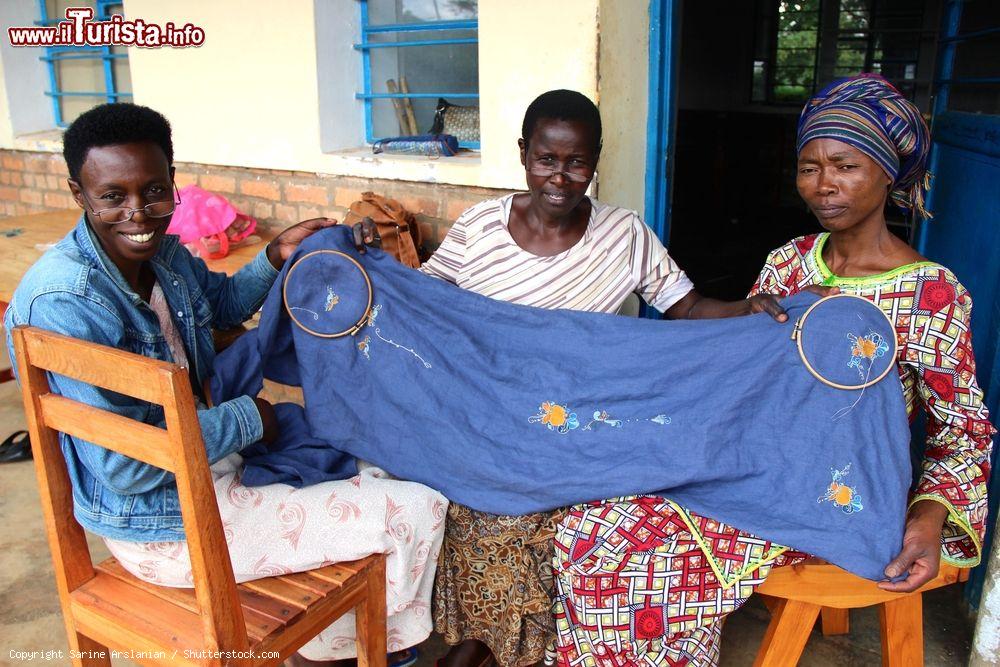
x=618, y=254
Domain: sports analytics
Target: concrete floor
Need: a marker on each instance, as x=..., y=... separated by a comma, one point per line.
x=30, y=619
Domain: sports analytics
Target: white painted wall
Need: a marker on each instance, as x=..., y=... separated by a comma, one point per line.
x=24, y=107
x=623, y=87
x=273, y=85
x=527, y=47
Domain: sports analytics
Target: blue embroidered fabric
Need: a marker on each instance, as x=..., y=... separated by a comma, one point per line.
x=511, y=409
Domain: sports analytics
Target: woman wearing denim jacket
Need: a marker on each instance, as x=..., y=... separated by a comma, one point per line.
x=118, y=280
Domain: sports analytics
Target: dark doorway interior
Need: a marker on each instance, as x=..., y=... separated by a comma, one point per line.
x=745, y=70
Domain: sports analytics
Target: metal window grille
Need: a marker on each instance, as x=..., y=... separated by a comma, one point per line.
x=967, y=77
x=442, y=31
x=100, y=56
x=804, y=44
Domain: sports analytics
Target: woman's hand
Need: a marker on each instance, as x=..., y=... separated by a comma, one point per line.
x=366, y=233
x=285, y=243
x=920, y=557
x=268, y=419
x=768, y=303
x=694, y=306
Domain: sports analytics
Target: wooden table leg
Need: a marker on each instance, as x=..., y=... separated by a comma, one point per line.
x=902, y=631
x=787, y=633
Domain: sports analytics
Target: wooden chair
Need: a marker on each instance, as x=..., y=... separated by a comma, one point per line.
x=798, y=594
x=257, y=623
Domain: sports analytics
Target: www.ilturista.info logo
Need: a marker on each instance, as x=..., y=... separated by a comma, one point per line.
x=80, y=30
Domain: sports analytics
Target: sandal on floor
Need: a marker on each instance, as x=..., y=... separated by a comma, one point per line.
x=404, y=658
x=17, y=447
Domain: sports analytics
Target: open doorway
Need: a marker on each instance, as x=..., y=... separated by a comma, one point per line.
x=745, y=73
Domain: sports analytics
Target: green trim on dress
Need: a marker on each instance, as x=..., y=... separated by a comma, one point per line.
x=830, y=279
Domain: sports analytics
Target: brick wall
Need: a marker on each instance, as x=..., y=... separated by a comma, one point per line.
x=35, y=182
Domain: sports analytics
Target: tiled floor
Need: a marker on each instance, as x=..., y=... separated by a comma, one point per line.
x=30, y=619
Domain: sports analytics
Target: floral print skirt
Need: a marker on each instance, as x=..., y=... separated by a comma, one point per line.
x=494, y=583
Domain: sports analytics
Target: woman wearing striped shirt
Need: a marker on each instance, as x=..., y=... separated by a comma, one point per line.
x=551, y=247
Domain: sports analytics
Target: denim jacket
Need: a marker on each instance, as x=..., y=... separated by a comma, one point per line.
x=76, y=290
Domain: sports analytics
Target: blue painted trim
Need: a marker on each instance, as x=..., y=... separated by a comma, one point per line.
x=77, y=93
x=664, y=22
x=664, y=30
x=969, y=131
x=968, y=79
x=395, y=96
x=53, y=81
x=77, y=49
x=418, y=42
x=951, y=20
x=469, y=24
x=969, y=35
x=56, y=57
x=54, y=54
x=366, y=63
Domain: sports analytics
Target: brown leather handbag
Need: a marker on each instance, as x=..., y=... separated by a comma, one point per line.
x=397, y=226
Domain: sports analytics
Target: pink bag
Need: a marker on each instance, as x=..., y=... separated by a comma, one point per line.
x=209, y=223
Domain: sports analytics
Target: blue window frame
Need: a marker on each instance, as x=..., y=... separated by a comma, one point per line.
x=102, y=57
x=433, y=54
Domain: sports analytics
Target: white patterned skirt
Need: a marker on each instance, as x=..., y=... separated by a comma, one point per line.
x=278, y=529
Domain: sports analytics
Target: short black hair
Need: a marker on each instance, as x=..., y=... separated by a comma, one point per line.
x=562, y=105
x=110, y=124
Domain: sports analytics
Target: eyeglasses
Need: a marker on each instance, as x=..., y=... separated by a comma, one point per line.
x=119, y=214
x=576, y=174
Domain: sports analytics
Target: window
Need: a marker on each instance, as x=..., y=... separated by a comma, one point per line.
x=794, y=76
x=973, y=82
x=804, y=44
x=82, y=76
x=413, y=53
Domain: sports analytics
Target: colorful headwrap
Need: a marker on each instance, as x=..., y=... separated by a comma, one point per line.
x=867, y=112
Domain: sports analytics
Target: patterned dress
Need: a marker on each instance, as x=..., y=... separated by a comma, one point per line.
x=641, y=580
x=494, y=580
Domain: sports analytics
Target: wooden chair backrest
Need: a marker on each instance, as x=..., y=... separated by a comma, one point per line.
x=178, y=449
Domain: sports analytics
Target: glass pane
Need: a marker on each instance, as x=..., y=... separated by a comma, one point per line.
x=86, y=75
x=759, y=90
x=795, y=55
x=795, y=58
x=388, y=12
x=451, y=68
x=797, y=39
x=854, y=15
x=850, y=57
x=977, y=59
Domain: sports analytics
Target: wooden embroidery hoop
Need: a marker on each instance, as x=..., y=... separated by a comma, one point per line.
x=350, y=331
x=797, y=337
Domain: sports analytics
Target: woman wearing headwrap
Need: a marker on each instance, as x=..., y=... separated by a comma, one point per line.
x=860, y=144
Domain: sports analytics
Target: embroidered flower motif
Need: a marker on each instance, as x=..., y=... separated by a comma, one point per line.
x=865, y=350
x=603, y=417
x=843, y=496
x=364, y=345
x=376, y=309
x=331, y=299
x=555, y=417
